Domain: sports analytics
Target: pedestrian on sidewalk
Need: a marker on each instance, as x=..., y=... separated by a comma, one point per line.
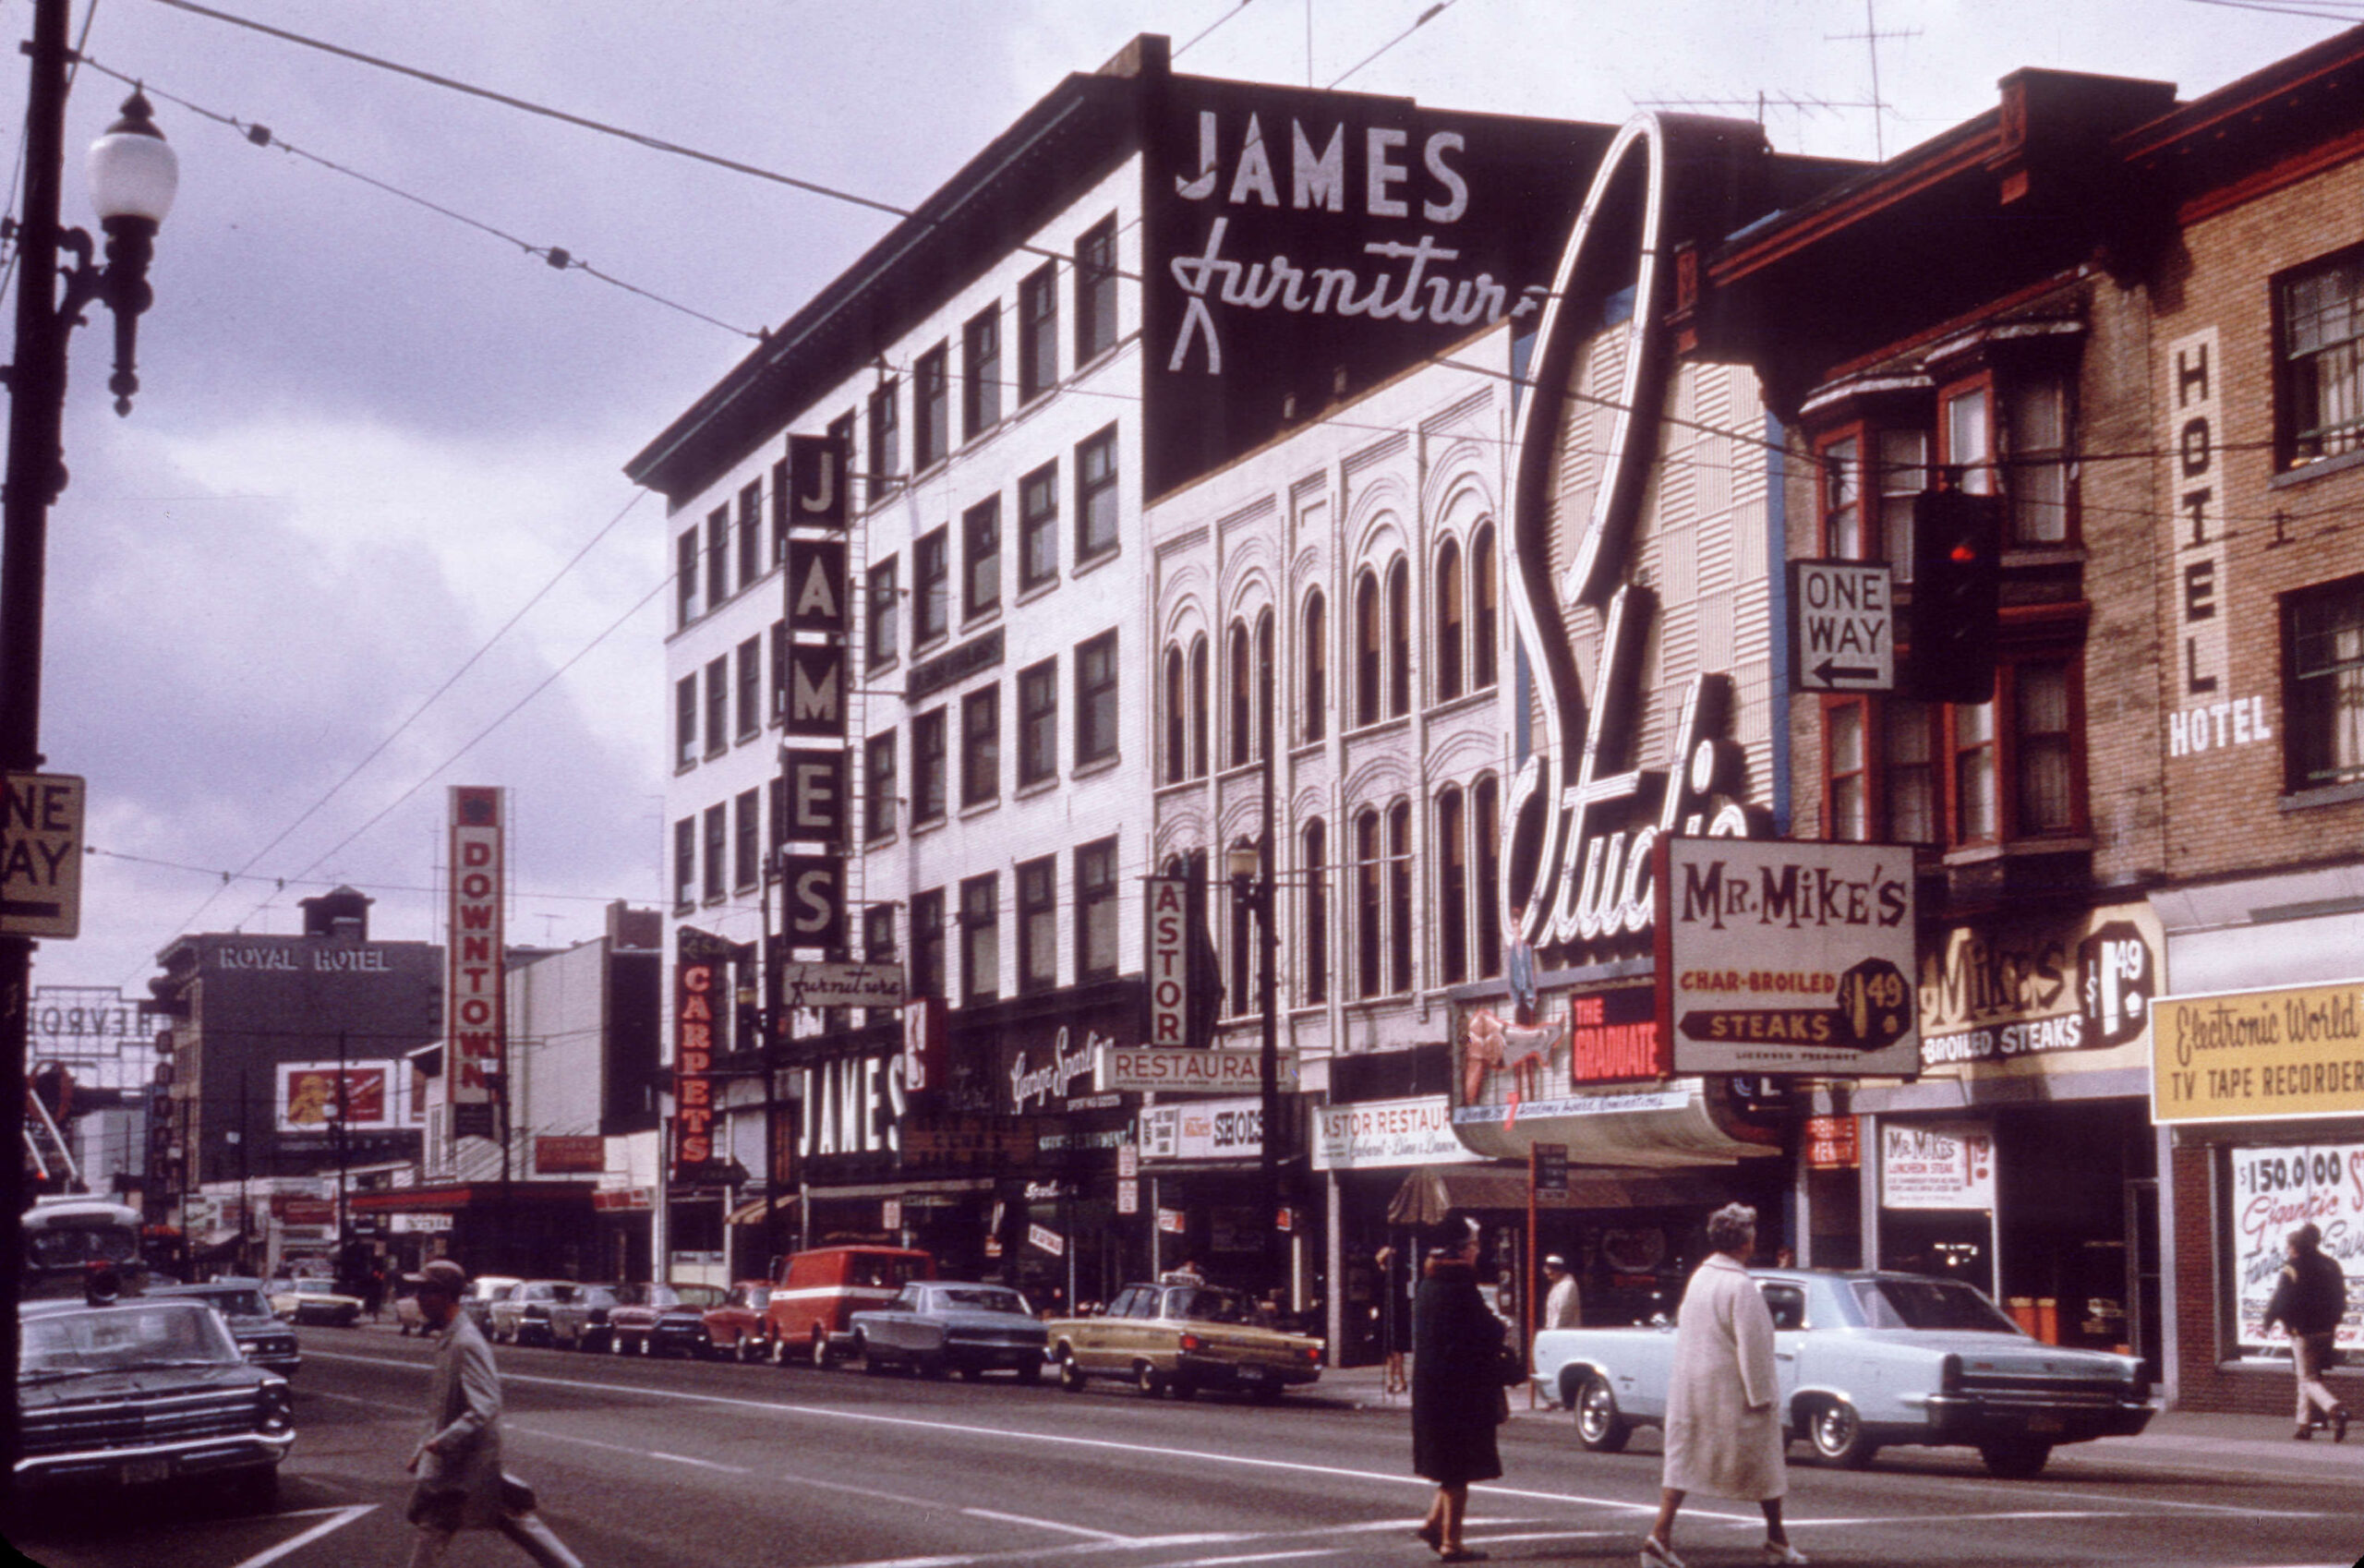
x=2309, y=1300
x=1563, y=1307
x=1457, y=1399
x=458, y=1462
x=1724, y=1418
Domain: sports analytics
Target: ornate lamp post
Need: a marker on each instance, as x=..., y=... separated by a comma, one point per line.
x=132, y=174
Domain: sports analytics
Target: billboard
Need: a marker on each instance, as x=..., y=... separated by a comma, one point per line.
x=473, y=1016
x=318, y=1096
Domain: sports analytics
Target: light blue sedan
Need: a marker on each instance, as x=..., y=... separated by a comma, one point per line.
x=939, y=1326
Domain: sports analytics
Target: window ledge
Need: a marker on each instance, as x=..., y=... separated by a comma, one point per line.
x=883, y=489
x=882, y=666
x=684, y=764
x=1032, y=591
x=2020, y=849
x=714, y=751
x=1380, y=727
x=1249, y=770
x=978, y=808
x=2051, y=554
x=2322, y=795
x=1307, y=751
x=2320, y=468
x=976, y=620
x=1098, y=766
x=1094, y=562
x=932, y=640
x=747, y=735
x=1179, y=786
x=1042, y=786
x=932, y=825
x=1476, y=698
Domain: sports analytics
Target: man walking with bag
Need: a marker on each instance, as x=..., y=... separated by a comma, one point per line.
x=458, y=1461
x=2310, y=1300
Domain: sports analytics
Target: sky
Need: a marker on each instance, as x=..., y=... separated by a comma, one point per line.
x=365, y=533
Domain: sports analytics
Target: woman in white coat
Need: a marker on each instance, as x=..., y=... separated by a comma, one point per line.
x=1723, y=1416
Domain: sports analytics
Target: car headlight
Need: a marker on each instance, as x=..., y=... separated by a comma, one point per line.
x=276, y=1408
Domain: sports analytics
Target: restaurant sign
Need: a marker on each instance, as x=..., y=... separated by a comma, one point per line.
x=1125, y=1070
x=1381, y=1134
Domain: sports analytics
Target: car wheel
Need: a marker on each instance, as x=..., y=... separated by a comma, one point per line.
x=648, y=1345
x=742, y=1349
x=820, y=1350
x=970, y=1374
x=1182, y=1387
x=1265, y=1393
x=1071, y=1375
x=779, y=1353
x=1030, y=1373
x=615, y=1343
x=1149, y=1380
x=932, y=1368
x=2015, y=1459
x=1837, y=1433
x=1599, y=1427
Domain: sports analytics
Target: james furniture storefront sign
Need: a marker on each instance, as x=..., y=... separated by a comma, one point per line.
x=2260, y=1056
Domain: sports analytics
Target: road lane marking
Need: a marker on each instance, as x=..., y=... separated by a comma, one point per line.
x=337, y=1521
x=701, y=1463
x=1101, y=1536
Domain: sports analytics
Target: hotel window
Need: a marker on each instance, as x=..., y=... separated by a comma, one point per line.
x=1977, y=816
x=2323, y=655
x=2320, y=326
x=1038, y=722
x=1485, y=602
x=717, y=830
x=1095, y=699
x=1038, y=527
x=1177, y=755
x=1956, y=774
x=980, y=746
x=981, y=938
x=686, y=864
x=1485, y=810
x=2044, y=765
x=927, y=943
x=1096, y=291
x=1315, y=969
x=980, y=374
x=751, y=687
x=879, y=786
x=2036, y=478
x=1038, y=923
x=931, y=409
x=746, y=840
x=1243, y=724
x=1868, y=516
x=886, y=605
x=1095, y=910
x=717, y=556
x=1038, y=332
x=1315, y=715
x=1908, y=750
x=1844, y=765
x=1095, y=496
x=932, y=587
x=1367, y=649
x=1399, y=639
x=686, y=577
x=718, y=707
x=1452, y=890
x=1449, y=622
x=685, y=721
x=1399, y=895
x=750, y=533
x=981, y=558
x=1369, y=871
x=1198, y=706
x=927, y=766
x=779, y=671
x=885, y=436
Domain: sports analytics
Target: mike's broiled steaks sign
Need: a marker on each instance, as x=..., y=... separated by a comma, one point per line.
x=1776, y=956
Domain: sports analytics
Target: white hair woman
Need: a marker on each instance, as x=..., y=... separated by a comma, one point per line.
x=1723, y=1418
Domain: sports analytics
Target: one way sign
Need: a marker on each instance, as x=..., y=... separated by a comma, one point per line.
x=41, y=854
x=1842, y=626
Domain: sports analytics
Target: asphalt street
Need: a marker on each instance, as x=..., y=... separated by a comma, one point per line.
x=656, y=1464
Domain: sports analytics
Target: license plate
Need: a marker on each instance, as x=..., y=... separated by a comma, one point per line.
x=1253, y=1374
x=2045, y=1424
x=139, y=1472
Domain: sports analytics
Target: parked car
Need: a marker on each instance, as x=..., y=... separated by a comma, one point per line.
x=736, y=1328
x=657, y=1320
x=810, y=1313
x=148, y=1389
x=580, y=1321
x=1869, y=1359
x=935, y=1327
x=261, y=1337
x=483, y=1291
x=521, y=1315
x=1181, y=1337
x=317, y=1301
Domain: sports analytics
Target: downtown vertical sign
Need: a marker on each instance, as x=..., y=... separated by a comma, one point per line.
x=474, y=1011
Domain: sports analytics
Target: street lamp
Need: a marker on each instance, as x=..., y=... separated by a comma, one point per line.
x=133, y=174
x=1252, y=888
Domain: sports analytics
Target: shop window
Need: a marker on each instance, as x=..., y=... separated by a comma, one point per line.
x=2322, y=657
x=2320, y=311
x=1315, y=712
x=1038, y=946
x=981, y=938
x=1095, y=910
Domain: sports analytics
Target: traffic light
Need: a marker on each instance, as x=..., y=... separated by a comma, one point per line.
x=1957, y=581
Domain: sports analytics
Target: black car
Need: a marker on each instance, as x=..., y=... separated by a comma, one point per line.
x=263, y=1339
x=142, y=1391
x=657, y=1319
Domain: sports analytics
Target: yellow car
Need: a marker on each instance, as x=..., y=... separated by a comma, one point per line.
x=1180, y=1338
x=316, y=1301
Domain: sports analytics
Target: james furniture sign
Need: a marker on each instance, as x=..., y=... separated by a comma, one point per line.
x=2259, y=1055
x=1943, y=1167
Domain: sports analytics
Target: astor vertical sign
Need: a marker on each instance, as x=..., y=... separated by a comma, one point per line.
x=473, y=1016
x=1169, y=960
x=40, y=855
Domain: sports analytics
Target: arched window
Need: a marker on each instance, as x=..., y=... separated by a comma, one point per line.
x=1314, y=964
x=1368, y=870
x=1177, y=757
x=1485, y=608
x=1314, y=721
x=1399, y=638
x=1264, y=678
x=1243, y=945
x=1486, y=831
x=1453, y=891
x=1198, y=706
x=1242, y=714
x=1367, y=649
x=1399, y=896
x=1449, y=628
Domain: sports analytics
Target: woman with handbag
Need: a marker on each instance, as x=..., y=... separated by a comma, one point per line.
x=1458, y=1362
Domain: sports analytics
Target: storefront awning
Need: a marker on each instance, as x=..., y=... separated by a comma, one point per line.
x=1433, y=1193
x=752, y=1214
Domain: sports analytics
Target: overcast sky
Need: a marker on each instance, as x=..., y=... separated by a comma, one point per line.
x=368, y=433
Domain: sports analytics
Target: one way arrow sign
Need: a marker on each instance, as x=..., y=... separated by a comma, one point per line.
x=1842, y=626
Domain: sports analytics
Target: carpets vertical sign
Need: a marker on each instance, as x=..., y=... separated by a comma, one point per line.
x=475, y=1019
x=699, y=981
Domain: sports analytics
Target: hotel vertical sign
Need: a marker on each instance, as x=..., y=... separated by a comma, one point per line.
x=475, y=1019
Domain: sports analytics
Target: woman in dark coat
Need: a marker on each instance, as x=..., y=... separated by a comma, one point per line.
x=1457, y=1394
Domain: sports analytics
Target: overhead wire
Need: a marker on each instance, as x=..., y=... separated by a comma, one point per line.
x=1200, y=36
x=1435, y=10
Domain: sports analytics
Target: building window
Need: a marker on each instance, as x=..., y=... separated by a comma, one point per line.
x=2045, y=764
x=1449, y=622
x=751, y=687
x=1977, y=814
x=1841, y=485
x=1096, y=291
x=885, y=436
x=878, y=947
x=1908, y=752
x=1245, y=991
x=746, y=840
x=1242, y=698
x=777, y=793
x=980, y=554
x=1399, y=639
x=2321, y=311
x=886, y=604
x=932, y=587
x=1038, y=332
x=1038, y=527
x=931, y=410
x=1367, y=649
x=750, y=533
x=1485, y=601
x=981, y=938
x=1369, y=871
x=718, y=707
x=928, y=767
x=1314, y=972
x=1314, y=721
x=1399, y=895
x=1880, y=778
x=2323, y=640
x=980, y=374
x=2037, y=478
x=686, y=577
x=1964, y=426
x=685, y=721
x=1038, y=722
x=1095, y=496
x=779, y=506
x=879, y=786
x=717, y=556
x=1846, y=765
x=1095, y=699
x=686, y=864
x=927, y=943
x=1095, y=910
x=1199, y=678
x=1899, y=472
x=980, y=746
x=779, y=671
x=1485, y=810
x=1038, y=923
x=1177, y=755
x=717, y=829
x=1452, y=890
x=1265, y=679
